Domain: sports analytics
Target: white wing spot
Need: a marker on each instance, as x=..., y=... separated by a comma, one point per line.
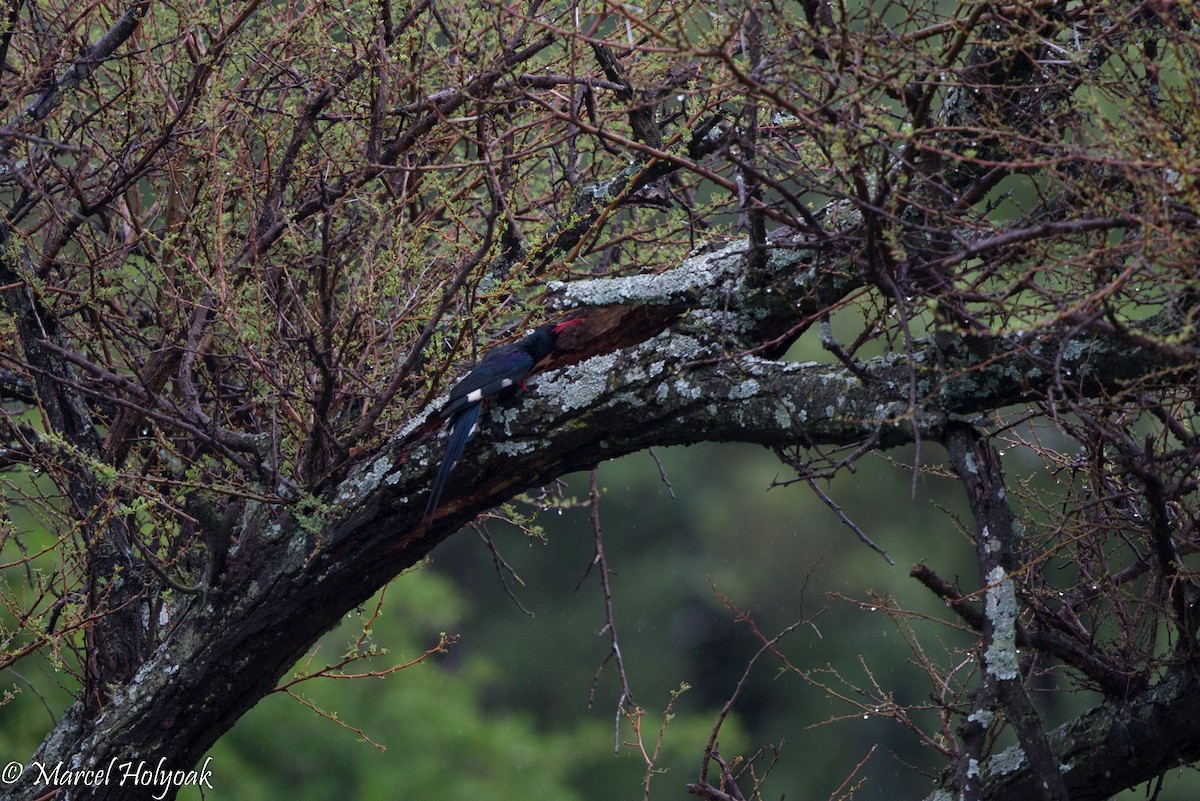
x=474, y=396
x=506, y=383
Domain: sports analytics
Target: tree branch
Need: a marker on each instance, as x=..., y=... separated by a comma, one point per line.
x=1108, y=748
x=1001, y=687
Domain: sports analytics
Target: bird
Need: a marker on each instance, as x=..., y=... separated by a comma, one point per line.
x=500, y=369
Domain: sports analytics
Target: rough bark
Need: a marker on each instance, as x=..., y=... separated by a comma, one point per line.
x=1105, y=750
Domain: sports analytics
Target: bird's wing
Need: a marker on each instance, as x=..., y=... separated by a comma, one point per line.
x=491, y=376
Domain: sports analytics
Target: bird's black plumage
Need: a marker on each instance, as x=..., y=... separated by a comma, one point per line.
x=500, y=369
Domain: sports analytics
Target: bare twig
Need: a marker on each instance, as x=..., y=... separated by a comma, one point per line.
x=610, y=624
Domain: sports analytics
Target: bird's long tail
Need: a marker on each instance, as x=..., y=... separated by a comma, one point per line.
x=462, y=426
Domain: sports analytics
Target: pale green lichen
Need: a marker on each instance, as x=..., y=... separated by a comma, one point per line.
x=507, y=416
x=990, y=543
x=697, y=276
x=784, y=415
x=1001, y=609
x=630, y=399
x=365, y=480
x=728, y=323
x=580, y=385
x=1007, y=761
x=983, y=717
x=747, y=389
x=686, y=390
x=1074, y=350
x=518, y=447
x=781, y=260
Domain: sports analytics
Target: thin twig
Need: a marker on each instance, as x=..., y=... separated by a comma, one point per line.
x=847, y=522
x=502, y=567
x=610, y=626
x=662, y=474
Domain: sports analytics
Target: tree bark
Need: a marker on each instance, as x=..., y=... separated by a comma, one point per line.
x=1105, y=750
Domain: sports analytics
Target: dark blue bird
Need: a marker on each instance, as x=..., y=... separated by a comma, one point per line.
x=500, y=369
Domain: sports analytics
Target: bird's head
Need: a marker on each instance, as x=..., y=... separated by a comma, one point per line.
x=540, y=343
